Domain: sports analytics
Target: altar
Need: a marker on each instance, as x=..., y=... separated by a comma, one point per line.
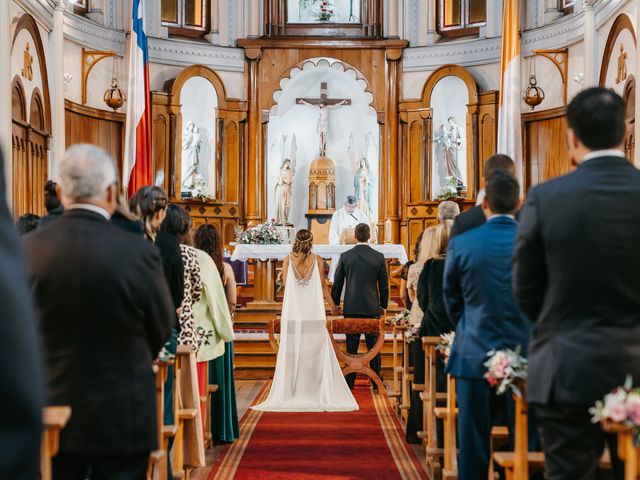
x=267, y=256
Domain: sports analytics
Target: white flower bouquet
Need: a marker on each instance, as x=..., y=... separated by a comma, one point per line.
x=622, y=405
x=446, y=342
x=267, y=233
x=505, y=369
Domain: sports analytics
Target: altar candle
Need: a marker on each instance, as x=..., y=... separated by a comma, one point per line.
x=388, y=237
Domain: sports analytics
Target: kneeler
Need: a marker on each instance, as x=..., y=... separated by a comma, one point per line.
x=359, y=364
x=628, y=452
x=353, y=363
x=54, y=419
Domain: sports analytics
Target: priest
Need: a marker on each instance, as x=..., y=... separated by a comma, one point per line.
x=345, y=218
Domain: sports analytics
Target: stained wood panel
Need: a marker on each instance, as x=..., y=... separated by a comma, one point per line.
x=545, y=145
x=98, y=127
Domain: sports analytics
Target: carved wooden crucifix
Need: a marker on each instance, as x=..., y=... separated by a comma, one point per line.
x=323, y=103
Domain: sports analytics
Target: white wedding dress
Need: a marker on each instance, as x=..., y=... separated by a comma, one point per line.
x=308, y=377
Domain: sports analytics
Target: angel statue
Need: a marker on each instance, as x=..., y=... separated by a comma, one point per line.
x=191, y=143
x=451, y=139
x=284, y=184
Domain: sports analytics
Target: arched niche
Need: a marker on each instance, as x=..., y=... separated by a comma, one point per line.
x=629, y=97
x=450, y=99
x=18, y=101
x=291, y=131
x=36, y=111
x=622, y=26
x=198, y=94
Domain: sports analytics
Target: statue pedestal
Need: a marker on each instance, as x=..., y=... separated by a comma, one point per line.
x=319, y=224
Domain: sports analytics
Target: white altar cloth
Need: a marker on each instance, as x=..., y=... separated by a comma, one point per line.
x=278, y=252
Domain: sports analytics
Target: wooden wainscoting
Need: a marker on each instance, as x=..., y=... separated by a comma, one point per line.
x=544, y=136
x=224, y=216
x=98, y=127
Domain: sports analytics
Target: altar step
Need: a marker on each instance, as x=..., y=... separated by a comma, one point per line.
x=255, y=359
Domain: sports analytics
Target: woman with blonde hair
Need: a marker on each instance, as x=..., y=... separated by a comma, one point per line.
x=430, y=265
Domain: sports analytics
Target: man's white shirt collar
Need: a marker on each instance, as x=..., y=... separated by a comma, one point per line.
x=91, y=208
x=611, y=152
x=498, y=215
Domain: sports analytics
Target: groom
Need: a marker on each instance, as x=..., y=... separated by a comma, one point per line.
x=367, y=290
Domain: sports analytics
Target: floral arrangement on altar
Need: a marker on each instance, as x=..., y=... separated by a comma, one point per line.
x=267, y=233
x=622, y=405
x=505, y=369
x=449, y=190
x=446, y=342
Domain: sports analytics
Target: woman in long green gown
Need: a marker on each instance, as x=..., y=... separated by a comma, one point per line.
x=224, y=412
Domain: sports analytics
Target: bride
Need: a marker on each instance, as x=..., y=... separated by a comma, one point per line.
x=307, y=377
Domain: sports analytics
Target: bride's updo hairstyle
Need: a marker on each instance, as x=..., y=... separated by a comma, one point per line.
x=303, y=243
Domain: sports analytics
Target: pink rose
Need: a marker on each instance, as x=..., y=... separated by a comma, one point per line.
x=633, y=407
x=615, y=406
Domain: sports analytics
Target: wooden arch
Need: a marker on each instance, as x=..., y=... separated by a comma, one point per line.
x=621, y=23
x=200, y=71
x=27, y=22
x=445, y=71
x=36, y=111
x=18, y=100
x=346, y=66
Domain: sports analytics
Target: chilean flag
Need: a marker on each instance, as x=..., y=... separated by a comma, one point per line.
x=137, y=147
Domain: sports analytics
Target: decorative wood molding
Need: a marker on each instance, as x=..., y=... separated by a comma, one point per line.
x=560, y=58
x=621, y=23
x=89, y=60
x=92, y=112
x=445, y=71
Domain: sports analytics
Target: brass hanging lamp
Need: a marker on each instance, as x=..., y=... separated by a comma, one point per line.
x=533, y=94
x=114, y=97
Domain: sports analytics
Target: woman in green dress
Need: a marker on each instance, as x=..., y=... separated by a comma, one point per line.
x=224, y=413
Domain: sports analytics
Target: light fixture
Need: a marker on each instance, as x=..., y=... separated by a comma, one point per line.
x=114, y=97
x=533, y=94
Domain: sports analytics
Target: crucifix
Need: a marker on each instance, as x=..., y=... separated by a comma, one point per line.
x=323, y=103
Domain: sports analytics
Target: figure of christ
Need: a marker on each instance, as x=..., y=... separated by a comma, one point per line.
x=323, y=103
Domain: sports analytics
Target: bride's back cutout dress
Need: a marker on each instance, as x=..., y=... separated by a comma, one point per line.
x=307, y=376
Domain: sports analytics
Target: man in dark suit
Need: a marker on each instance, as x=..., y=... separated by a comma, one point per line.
x=21, y=380
x=105, y=311
x=367, y=290
x=474, y=217
x=576, y=276
x=478, y=296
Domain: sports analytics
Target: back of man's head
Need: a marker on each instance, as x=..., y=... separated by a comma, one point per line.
x=502, y=193
x=363, y=232
x=86, y=173
x=498, y=162
x=597, y=118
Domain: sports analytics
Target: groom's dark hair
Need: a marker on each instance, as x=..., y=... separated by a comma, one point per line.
x=363, y=232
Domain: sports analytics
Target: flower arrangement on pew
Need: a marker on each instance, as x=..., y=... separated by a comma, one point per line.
x=506, y=369
x=622, y=405
x=412, y=333
x=446, y=342
x=267, y=233
x=399, y=320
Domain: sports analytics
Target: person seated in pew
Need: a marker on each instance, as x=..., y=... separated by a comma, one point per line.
x=480, y=301
x=434, y=321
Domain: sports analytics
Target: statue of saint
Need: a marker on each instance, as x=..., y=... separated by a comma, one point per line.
x=283, y=191
x=450, y=138
x=191, y=142
x=362, y=186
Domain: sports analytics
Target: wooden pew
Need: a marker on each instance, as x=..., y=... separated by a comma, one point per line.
x=449, y=414
x=397, y=343
x=359, y=364
x=54, y=419
x=158, y=468
x=406, y=380
x=627, y=450
x=190, y=433
x=431, y=398
x=516, y=464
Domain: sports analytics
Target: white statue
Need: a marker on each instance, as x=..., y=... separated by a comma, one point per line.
x=284, y=184
x=450, y=138
x=191, y=143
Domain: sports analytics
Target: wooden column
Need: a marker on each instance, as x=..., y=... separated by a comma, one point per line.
x=392, y=192
x=58, y=123
x=253, y=170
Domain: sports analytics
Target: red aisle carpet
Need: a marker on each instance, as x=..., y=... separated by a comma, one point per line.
x=367, y=444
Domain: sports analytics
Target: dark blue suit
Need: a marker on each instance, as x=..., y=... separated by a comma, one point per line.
x=480, y=301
